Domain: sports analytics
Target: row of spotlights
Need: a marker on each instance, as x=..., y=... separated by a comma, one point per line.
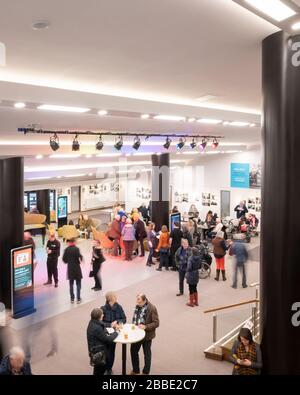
x=54, y=143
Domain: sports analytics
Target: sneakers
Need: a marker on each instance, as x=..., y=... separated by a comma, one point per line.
x=97, y=289
x=159, y=269
x=234, y=286
x=78, y=301
x=179, y=294
x=72, y=301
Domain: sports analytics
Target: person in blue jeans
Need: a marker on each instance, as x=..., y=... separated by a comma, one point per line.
x=239, y=250
x=181, y=259
x=73, y=258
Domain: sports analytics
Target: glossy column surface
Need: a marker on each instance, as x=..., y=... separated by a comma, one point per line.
x=280, y=262
x=43, y=203
x=160, y=190
x=12, y=219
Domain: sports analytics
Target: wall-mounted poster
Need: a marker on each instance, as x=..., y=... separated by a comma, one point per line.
x=206, y=196
x=205, y=202
x=239, y=175
x=213, y=200
x=255, y=176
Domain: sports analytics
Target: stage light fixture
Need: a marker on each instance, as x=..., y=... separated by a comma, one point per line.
x=75, y=144
x=193, y=144
x=136, y=143
x=181, y=143
x=99, y=144
x=215, y=144
x=119, y=144
x=54, y=142
x=203, y=144
x=167, y=143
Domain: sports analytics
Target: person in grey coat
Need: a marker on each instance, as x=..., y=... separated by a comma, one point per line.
x=239, y=250
x=73, y=258
x=182, y=256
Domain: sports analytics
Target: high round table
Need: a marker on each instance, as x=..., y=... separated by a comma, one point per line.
x=134, y=336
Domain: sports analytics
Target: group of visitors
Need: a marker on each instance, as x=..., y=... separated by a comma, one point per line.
x=101, y=343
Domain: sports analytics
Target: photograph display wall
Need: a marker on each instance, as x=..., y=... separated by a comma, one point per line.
x=254, y=203
x=209, y=199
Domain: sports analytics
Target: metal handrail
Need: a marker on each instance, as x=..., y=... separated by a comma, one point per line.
x=231, y=306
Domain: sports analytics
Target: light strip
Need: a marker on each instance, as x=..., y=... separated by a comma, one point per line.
x=64, y=156
x=210, y=121
x=275, y=9
x=239, y=123
x=75, y=175
x=169, y=118
x=39, y=178
x=51, y=107
x=31, y=169
x=108, y=155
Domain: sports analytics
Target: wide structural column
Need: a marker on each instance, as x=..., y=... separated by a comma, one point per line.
x=160, y=190
x=43, y=203
x=12, y=219
x=280, y=257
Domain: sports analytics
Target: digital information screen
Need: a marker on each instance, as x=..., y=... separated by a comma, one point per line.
x=62, y=207
x=174, y=218
x=22, y=281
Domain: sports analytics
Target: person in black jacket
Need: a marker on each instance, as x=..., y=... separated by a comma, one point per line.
x=97, y=260
x=192, y=276
x=175, y=241
x=53, y=252
x=241, y=209
x=98, y=338
x=181, y=258
x=113, y=316
x=72, y=257
x=140, y=232
x=15, y=364
x=186, y=234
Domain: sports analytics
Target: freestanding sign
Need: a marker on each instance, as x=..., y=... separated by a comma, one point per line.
x=176, y=217
x=22, y=281
x=62, y=210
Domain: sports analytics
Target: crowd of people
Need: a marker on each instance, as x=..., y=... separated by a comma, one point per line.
x=176, y=249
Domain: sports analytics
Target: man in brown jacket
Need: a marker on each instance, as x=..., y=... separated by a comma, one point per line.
x=145, y=317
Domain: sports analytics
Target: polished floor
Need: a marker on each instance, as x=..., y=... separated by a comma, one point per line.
x=183, y=334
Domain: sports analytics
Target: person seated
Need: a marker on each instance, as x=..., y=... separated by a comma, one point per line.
x=252, y=220
x=34, y=210
x=243, y=225
x=15, y=364
x=217, y=228
x=87, y=225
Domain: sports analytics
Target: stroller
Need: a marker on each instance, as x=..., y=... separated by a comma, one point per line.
x=206, y=260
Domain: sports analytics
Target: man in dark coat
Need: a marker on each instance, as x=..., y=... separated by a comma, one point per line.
x=241, y=210
x=72, y=257
x=53, y=251
x=14, y=364
x=140, y=233
x=145, y=317
x=113, y=315
x=98, y=338
x=145, y=212
x=181, y=257
x=175, y=241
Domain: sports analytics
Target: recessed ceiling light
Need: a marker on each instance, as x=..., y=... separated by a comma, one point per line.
x=252, y=125
x=88, y=156
x=76, y=175
x=90, y=174
x=58, y=177
x=19, y=105
x=108, y=155
x=50, y=107
x=275, y=9
x=226, y=123
x=205, y=98
x=211, y=121
x=145, y=116
x=40, y=25
x=64, y=156
x=191, y=119
x=296, y=26
x=39, y=157
x=239, y=123
x=169, y=118
x=102, y=112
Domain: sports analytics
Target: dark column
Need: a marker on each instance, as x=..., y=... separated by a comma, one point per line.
x=12, y=219
x=160, y=190
x=280, y=259
x=43, y=203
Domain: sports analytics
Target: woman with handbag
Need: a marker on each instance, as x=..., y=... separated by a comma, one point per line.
x=98, y=342
x=164, y=248
x=97, y=260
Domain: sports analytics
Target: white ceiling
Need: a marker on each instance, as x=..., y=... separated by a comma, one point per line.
x=139, y=56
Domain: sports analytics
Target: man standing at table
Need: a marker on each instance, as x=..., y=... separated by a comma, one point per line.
x=145, y=317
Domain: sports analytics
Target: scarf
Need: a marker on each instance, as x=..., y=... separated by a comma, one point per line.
x=139, y=315
x=243, y=354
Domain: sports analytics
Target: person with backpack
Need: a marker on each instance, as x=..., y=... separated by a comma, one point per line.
x=192, y=276
x=219, y=251
x=239, y=250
